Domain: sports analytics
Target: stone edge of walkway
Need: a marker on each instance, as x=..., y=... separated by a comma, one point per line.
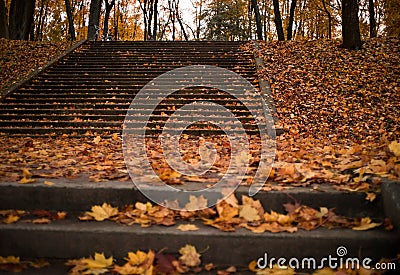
x=37, y=71
x=80, y=194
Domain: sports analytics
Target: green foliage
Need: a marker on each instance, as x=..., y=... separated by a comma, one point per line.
x=226, y=20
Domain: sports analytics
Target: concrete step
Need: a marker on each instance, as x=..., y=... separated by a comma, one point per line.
x=81, y=239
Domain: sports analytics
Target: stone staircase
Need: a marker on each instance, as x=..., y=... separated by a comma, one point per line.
x=88, y=92
x=91, y=89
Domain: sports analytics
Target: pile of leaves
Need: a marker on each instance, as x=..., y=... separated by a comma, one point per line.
x=15, y=264
x=36, y=216
x=20, y=58
x=143, y=263
x=229, y=215
x=299, y=162
x=323, y=91
x=98, y=159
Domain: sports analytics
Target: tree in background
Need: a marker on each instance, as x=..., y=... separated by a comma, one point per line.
x=94, y=19
x=198, y=6
x=212, y=19
x=372, y=20
x=257, y=15
x=71, y=27
x=278, y=21
x=21, y=19
x=109, y=6
x=350, y=25
x=3, y=20
x=289, y=29
x=227, y=20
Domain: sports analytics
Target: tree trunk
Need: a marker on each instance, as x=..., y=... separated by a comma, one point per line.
x=144, y=9
x=94, y=18
x=155, y=20
x=183, y=28
x=278, y=21
x=21, y=18
x=150, y=20
x=258, y=19
x=350, y=25
x=3, y=20
x=39, y=21
x=109, y=7
x=372, y=20
x=71, y=28
x=291, y=19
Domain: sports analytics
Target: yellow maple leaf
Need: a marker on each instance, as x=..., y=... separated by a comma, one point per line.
x=189, y=257
x=98, y=262
x=196, y=203
x=394, y=147
x=366, y=224
x=101, y=213
x=227, y=211
x=137, y=258
x=248, y=213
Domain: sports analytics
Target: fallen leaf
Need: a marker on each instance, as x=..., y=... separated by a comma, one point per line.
x=41, y=221
x=196, y=203
x=48, y=183
x=9, y=260
x=189, y=257
x=26, y=173
x=101, y=213
x=394, y=147
x=370, y=196
x=366, y=224
x=38, y=264
x=25, y=180
x=97, y=140
x=187, y=227
x=209, y=266
x=249, y=213
x=98, y=262
x=11, y=219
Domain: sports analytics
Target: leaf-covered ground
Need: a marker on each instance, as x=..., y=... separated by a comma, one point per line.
x=340, y=111
x=20, y=58
x=326, y=92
